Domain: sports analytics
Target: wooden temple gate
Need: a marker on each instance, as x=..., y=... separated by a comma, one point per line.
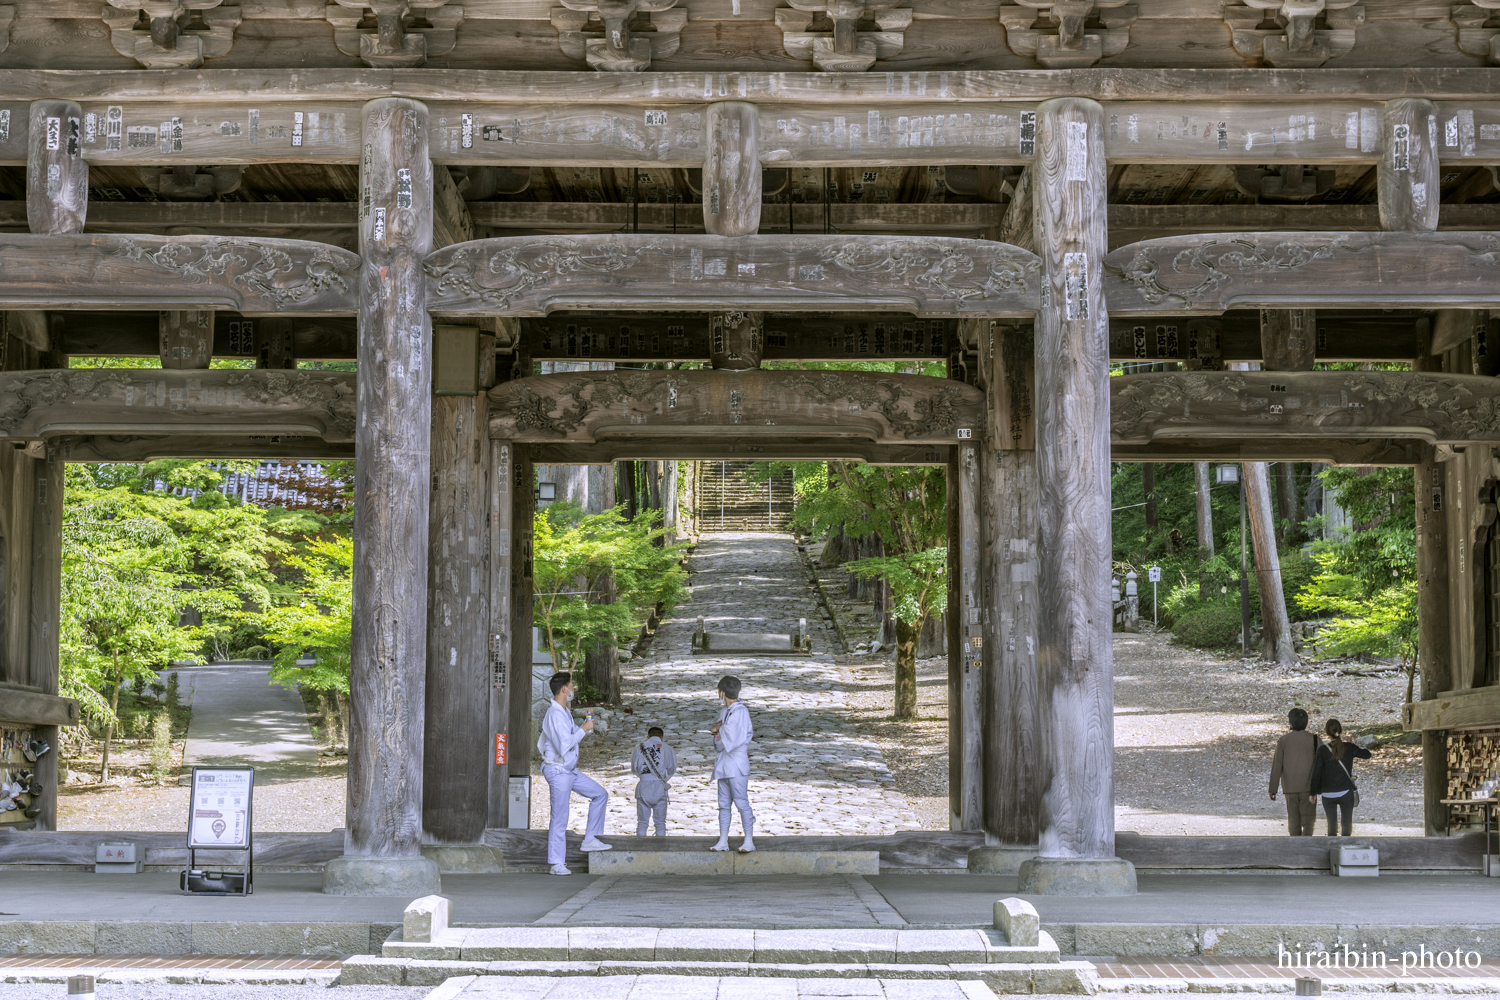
x=447, y=421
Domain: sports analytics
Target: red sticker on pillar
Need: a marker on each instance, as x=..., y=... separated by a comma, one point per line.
x=500, y=757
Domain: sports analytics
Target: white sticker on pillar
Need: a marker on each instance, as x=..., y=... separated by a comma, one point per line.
x=1368, y=129
x=54, y=133
x=1076, y=286
x=1028, y=133
x=379, y=227
x=403, y=188
x=1466, y=133
x=1401, y=148
x=1078, y=151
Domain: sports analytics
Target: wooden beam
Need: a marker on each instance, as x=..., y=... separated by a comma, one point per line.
x=150, y=447
x=615, y=217
x=28, y=706
x=1134, y=223
x=1207, y=274
x=57, y=178
x=1352, y=335
x=787, y=337
x=176, y=272
x=223, y=402
x=1430, y=407
x=1075, y=662
x=522, y=276
x=1329, y=450
x=391, y=494
x=802, y=448
x=1471, y=709
x=683, y=406
x=311, y=84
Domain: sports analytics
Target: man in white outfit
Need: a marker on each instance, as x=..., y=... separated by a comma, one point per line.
x=558, y=746
x=732, y=735
x=655, y=763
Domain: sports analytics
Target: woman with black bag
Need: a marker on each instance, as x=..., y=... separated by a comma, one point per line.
x=1333, y=778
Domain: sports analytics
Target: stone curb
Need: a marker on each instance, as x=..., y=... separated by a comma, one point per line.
x=1258, y=940
x=172, y=977
x=1444, y=987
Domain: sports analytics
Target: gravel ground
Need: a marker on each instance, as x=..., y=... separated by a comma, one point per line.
x=309, y=805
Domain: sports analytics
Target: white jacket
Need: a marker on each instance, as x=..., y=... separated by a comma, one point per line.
x=650, y=788
x=733, y=742
x=560, y=737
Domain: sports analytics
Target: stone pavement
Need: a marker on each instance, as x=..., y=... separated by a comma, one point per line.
x=702, y=988
x=811, y=771
x=241, y=718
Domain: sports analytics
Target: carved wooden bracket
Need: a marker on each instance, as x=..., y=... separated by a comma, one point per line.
x=1287, y=32
x=618, y=36
x=1067, y=34
x=395, y=33
x=7, y=21
x=842, y=37
x=171, y=34
x=1478, y=25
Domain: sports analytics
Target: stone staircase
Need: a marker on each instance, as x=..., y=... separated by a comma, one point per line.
x=1014, y=956
x=730, y=500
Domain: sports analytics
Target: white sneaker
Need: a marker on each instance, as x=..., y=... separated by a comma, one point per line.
x=722, y=845
x=560, y=870
x=595, y=844
x=748, y=847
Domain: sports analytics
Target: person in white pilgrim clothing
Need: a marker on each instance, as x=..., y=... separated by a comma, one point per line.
x=732, y=734
x=655, y=763
x=558, y=746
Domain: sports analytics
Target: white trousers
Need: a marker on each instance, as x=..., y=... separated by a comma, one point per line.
x=646, y=811
x=736, y=790
x=563, y=782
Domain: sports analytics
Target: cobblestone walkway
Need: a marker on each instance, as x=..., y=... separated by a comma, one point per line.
x=811, y=772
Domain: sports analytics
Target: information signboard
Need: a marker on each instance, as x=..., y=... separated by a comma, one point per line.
x=219, y=811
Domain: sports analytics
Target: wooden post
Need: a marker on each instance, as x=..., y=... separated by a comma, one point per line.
x=669, y=501
x=46, y=610
x=505, y=663
x=57, y=176
x=736, y=340
x=458, y=738
x=965, y=639
x=1075, y=661
x=1276, y=626
x=1408, y=183
x=1204, y=500
x=187, y=338
x=393, y=438
x=520, y=693
x=1008, y=519
x=731, y=170
x=1288, y=339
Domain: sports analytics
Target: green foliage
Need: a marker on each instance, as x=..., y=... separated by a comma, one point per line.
x=576, y=556
x=919, y=582
x=1211, y=624
x=907, y=506
x=317, y=623
x=161, y=742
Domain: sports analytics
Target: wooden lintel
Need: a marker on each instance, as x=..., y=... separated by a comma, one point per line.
x=125, y=333
x=1387, y=335
x=927, y=276
x=1199, y=407
x=35, y=405
x=197, y=86
x=150, y=447
x=730, y=449
x=1454, y=710
x=788, y=337
x=761, y=407
x=1207, y=274
x=256, y=276
x=1331, y=451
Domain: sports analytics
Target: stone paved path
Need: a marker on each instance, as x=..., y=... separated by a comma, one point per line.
x=811, y=771
x=241, y=719
x=702, y=988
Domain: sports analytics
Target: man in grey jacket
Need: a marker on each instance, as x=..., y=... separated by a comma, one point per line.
x=1291, y=769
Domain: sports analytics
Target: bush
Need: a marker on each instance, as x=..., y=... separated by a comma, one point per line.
x=1209, y=626
x=161, y=744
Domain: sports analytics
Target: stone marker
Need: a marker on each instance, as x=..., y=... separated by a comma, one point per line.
x=427, y=917
x=1019, y=920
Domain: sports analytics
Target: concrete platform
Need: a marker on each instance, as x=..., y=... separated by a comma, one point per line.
x=734, y=863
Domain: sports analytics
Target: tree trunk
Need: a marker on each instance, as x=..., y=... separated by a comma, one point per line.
x=906, y=670
x=1288, y=528
x=627, y=488
x=1205, y=524
x=109, y=729
x=1148, y=486
x=1276, y=628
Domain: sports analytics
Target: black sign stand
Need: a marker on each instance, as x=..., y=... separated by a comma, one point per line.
x=199, y=882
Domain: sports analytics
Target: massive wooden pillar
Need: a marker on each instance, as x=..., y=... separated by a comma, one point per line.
x=458, y=737
x=517, y=712
x=1408, y=180
x=57, y=190
x=731, y=170
x=391, y=499
x=1008, y=519
x=1075, y=662
x=965, y=640
x=187, y=338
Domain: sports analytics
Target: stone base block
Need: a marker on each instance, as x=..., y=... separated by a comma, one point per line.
x=733, y=863
x=999, y=860
x=1077, y=877
x=353, y=875
x=464, y=859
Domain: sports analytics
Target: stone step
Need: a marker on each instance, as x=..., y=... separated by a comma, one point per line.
x=1001, y=977
x=697, y=946
x=618, y=862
